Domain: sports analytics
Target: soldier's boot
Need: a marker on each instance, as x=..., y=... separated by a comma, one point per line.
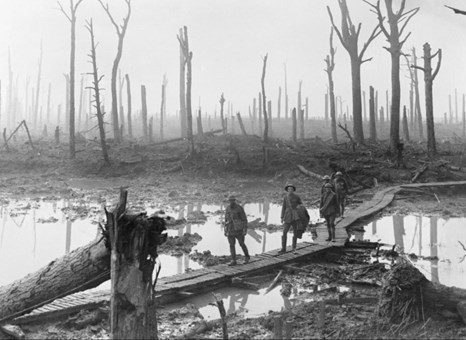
x=329, y=234
x=233, y=257
x=283, y=250
x=246, y=254
x=295, y=240
x=333, y=235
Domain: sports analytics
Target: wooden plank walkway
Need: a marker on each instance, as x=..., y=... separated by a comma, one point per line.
x=209, y=277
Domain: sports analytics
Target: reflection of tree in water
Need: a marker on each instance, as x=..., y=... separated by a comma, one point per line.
x=399, y=230
x=434, y=248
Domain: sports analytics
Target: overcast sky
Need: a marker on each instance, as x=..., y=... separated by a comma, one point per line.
x=228, y=39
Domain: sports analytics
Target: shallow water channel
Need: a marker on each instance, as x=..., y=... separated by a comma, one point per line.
x=33, y=233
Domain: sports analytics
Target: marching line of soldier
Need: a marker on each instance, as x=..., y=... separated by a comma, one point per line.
x=294, y=216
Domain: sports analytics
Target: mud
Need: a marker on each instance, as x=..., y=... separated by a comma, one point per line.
x=211, y=177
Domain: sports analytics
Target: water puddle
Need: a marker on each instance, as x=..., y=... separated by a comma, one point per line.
x=33, y=233
x=249, y=304
x=433, y=244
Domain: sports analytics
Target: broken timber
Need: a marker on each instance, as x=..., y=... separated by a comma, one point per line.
x=92, y=265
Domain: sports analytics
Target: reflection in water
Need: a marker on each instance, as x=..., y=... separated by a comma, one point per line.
x=46, y=231
x=432, y=237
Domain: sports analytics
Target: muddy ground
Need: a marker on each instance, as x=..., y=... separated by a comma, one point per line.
x=165, y=175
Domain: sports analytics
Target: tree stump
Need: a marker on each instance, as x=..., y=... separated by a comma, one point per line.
x=133, y=240
x=408, y=296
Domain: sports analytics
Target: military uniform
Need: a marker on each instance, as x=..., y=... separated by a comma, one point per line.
x=236, y=226
x=341, y=190
x=329, y=209
x=290, y=217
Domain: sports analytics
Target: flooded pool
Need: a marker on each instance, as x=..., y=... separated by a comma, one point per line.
x=35, y=232
x=440, y=240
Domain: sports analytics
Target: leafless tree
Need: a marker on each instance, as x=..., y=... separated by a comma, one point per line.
x=71, y=16
x=128, y=94
x=349, y=38
x=330, y=62
x=96, y=87
x=397, y=22
x=188, y=55
x=429, y=79
x=265, y=136
x=121, y=31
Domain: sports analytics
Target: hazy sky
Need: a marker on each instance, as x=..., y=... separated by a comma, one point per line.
x=228, y=39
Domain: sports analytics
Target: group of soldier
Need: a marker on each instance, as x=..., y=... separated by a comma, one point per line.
x=294, y=215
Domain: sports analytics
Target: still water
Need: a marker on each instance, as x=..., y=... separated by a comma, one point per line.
x=33, y=233
x=433, y=236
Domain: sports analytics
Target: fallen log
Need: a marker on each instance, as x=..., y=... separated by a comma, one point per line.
x=309, y=173
x=407, y=295
x=274, y=282
x=419, y=173
x=84, y=268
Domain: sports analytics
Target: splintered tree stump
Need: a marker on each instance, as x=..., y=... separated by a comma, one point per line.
x=133, y=240
x=408, y=296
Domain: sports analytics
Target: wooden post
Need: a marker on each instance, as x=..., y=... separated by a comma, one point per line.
x=241, y=125
x=128, y=92
x=144, y=112
x=294, y=129
x=288, y=330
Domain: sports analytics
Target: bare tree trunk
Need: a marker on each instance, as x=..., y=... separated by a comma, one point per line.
x=200, y=131
x=300, y=113
x=260, y=113
x=121, y=31
x=222, y=119
x=372, y=123
x=464, y=117
x=81, y=97
x=405, y=125
x=67, y=107
x=182, y=89
x=121, y=82
x=134, y=241
x=456, y=106
x=269, y=111
x=450, y=112
x=144, y=113
x=241, y=125
x=429, y=79
x=364, y=105
x=330, y=62
x=265, y=136
x=96, y=87
x=418, y=98
x=294, y=129
x=128, y=89
x=162, y=106
x=357, y=108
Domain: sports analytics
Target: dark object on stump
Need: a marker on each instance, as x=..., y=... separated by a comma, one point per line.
x=133, y=241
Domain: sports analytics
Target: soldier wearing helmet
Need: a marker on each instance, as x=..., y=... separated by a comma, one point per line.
x=341, y=189
x=326, y=179
x=329, y=209
x=236, y=227
x=290, y=216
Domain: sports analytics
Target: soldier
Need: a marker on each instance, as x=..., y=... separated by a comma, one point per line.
x=329, y=209
x=290, y=216
x=341, y=189
x=236, y=227
x=326, y=179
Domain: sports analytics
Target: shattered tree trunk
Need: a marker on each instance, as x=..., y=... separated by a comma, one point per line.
x=300, y=114
x=417, y=101
x=134, y=240
x=372, y=120
x=182, y=89
x=405, y=125
x=294, y=126
x=144, y=112
x=84, y=268
x=128, y=89
x=408, y=296
x=222, y=119
x=265, y=136
x=330, y=61
x=241, y=125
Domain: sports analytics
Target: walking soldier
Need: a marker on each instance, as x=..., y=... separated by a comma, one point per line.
x=329, y=209
x=236, y=227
